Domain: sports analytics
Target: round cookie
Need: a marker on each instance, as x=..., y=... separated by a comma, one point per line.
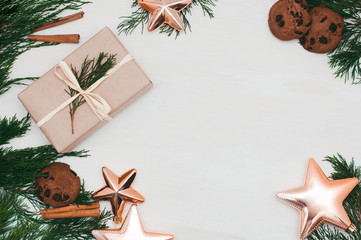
x=59, y=186
x=289, y=19
x=325, y=32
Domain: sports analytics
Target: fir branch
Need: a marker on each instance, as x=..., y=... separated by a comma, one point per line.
x=19, y=167
x=91, y=71
x=10, y=226
x=18, y=222
x=76, y=228
x=6, y=216
x=140, y=17
x=85, y=197
x=346, y=57
x=19, y=205
x=13, y=127
x=342, y=170
x=18, y=19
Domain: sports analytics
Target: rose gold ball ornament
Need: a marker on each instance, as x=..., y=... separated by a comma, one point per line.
x=118, y=190
x=131, y=229
x=164, y=11
x=320, y=200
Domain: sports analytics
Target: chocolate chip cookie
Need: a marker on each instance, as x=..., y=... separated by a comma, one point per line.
x=59, y=186
x=325, y=32
x=289, y=19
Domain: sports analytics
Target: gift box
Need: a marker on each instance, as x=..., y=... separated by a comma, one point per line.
x=118, y=90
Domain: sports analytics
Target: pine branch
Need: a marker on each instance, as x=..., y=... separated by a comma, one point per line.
x=19, y=205
x=76, y=228
x=13, y=127
x=85, y=197
x=346, y=57
x=19, y=167
x=10, y=227
x=90, y=72
x=342, y=170
x=18, y=19
x=18, y=222
x=19, y=170
x=140, y=17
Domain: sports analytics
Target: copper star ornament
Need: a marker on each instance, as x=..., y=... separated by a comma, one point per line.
x=164, y=11
x=131, y=229
x=118, y=190
x=320, y=200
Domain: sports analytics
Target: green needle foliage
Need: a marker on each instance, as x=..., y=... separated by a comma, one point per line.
x=346, y=57
x=91, y=71
x=140, y=17
x=13, y=127
x=343, y=169
x=18, y=19
x=19, y=205
x=32, y=227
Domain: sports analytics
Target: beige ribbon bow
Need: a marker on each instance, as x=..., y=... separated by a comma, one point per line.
x=99, y=106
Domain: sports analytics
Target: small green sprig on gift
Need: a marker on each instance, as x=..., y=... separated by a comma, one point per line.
x=343, y=169
x=91, y=71
x=346, y=57
x=140, y=17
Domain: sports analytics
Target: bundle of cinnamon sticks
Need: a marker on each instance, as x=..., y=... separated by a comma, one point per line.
x=61, y=38
x=72, y=211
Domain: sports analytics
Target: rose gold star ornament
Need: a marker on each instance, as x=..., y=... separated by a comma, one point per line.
x=118, y=190
x=320, y=200
x=164, y=11
x=131, y=229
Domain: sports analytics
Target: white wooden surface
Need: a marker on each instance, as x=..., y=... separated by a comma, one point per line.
x=233, y=118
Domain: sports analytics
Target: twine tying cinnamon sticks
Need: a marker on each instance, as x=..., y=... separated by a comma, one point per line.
x=61, y=38
x=72, y=211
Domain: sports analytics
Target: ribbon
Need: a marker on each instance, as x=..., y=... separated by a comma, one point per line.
x=99, y=106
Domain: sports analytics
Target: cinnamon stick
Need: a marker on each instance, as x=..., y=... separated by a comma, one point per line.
x=66, y=38
x=70, y=208
x=73, y=214
x=60, y=21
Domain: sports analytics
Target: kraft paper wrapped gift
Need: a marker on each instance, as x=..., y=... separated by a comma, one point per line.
x=119, y=89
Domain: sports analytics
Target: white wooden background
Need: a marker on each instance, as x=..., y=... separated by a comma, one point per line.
x=232, y=119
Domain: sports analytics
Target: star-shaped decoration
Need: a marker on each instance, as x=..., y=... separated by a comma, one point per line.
x=164, y=11
x=118, y=190
x=320, y=200
x=131, y=229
